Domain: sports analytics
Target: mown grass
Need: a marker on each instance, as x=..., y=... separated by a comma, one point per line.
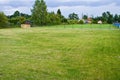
x=60, y=53
x=84, y=26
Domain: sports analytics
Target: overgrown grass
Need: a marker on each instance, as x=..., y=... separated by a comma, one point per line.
x=60, y=53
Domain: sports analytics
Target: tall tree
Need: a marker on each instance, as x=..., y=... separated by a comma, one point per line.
x=62, y=18
x=119, y=19
x=107, y=17
x=104, y=17
x=53, y=19
x=59, y=12
x=110, y=17
x=39, y=12
x=25, y=15
x=73, y=16
x=16, y=14
x=116, y=18
x=85, y=17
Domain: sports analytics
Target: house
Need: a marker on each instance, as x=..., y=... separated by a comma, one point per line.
x=99, y=22
x=89, y=21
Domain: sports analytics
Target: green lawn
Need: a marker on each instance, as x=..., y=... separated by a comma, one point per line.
x=64, y=52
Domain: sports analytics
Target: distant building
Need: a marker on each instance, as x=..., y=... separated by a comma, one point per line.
x=25, y=26
x=99, y=22
x=88, y=21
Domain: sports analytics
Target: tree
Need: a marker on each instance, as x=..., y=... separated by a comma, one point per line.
x=62, y=18
x=21, y=20
x=25, y=15
x=39, y=13
x=53, y=19
x=116, y=18
x=119, y=19
x=107, y=17
x=104, y=17
x=81, y=22
x=18, y=18
x=73, y=16
x=3, y=20
x=14, y=20
x=85, y=17
x=59, y=12
x=60, y=15
x=16, y=14
x=110, y=17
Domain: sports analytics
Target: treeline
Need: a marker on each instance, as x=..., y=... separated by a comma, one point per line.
x=14, y=20
x=40, y=16
x=18, y=18
x=107, y=18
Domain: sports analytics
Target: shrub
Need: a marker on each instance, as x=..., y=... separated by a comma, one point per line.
x=3, y=20
x=72, y=21
x=81, y=22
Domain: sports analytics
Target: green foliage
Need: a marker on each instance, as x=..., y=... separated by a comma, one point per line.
x=17, y=20
x=59, y=12
x=3, y=20
x=14, y=20
x=53, y=19
x=116, y=18
x=40, y=16
x=104, y=17
x=81, y=22
x=72, y=21
x=84, y=17
x=60, y=15
x=62, y=18
x=95, y=21
x=22, y=20
x=119, y=19
x=16, y=14
x=39, y=13
x=107, y=17
x=73, y=16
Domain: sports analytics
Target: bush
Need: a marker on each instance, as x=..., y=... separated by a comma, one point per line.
x=72, y=21
x=3, y=20
x=94, y=22
x=81, y=22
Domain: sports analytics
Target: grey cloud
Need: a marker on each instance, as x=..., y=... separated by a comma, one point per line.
x=53, y=3
x=56, y=3
x=18, y=3
x=95, y=8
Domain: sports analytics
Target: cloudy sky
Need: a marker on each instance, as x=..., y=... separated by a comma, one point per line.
x=88, y=7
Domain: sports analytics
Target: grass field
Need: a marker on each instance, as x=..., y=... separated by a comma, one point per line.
x=64, y=52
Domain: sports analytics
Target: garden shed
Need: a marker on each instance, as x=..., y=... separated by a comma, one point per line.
x=27, y=24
